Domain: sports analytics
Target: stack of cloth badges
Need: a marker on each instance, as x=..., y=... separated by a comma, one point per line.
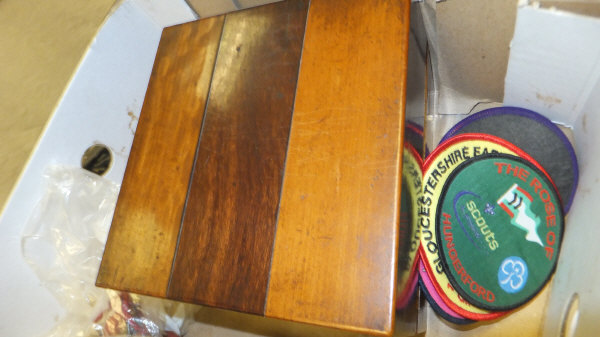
x=408, y=244
x=491, y=213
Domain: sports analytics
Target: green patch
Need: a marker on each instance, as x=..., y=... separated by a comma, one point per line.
x=499, y=227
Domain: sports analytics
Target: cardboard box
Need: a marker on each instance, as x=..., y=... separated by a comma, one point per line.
x=550, y=65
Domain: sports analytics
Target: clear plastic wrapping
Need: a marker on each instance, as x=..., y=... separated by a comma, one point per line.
x=63, y=242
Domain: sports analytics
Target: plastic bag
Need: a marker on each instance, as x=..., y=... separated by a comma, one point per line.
x=63, y=242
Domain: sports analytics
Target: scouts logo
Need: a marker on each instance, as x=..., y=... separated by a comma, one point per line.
x=517, y=203
x=472, y=220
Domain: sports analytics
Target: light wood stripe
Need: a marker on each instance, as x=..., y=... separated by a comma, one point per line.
x=334, y=258
x=141, y=244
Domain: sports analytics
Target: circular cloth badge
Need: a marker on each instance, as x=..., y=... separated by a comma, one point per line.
x=499, y=228
x=413, y=135
x=534, y=134
x=408, y=243
x=436, y=301
x=437, y=168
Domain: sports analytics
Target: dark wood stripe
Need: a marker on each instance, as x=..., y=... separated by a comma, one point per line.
x=143, y=236
x=227, y=233
x=335, y=253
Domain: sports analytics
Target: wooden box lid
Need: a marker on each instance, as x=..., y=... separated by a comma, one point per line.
x=264, y=175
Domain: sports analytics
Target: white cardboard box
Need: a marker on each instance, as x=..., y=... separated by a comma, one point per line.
x=554, y=68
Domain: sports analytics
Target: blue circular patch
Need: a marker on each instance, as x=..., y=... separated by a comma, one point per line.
x=512, y=274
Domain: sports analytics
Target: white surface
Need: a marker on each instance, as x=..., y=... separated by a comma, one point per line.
x=554, y=63
x=101, y=105
x=554, y=68
x=167, y=13
x=578, y=269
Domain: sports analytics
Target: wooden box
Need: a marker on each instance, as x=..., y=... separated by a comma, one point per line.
x=264, y=175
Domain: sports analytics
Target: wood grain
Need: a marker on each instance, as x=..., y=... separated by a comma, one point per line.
x=224, y=253
x=335, y=249
x=143, y=236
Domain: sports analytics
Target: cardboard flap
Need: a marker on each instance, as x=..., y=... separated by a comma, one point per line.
x=554, y=62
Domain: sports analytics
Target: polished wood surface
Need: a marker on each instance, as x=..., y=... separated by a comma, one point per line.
x=224, y=253
x=335, y=248
x=143, y=236
x=265, y=174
